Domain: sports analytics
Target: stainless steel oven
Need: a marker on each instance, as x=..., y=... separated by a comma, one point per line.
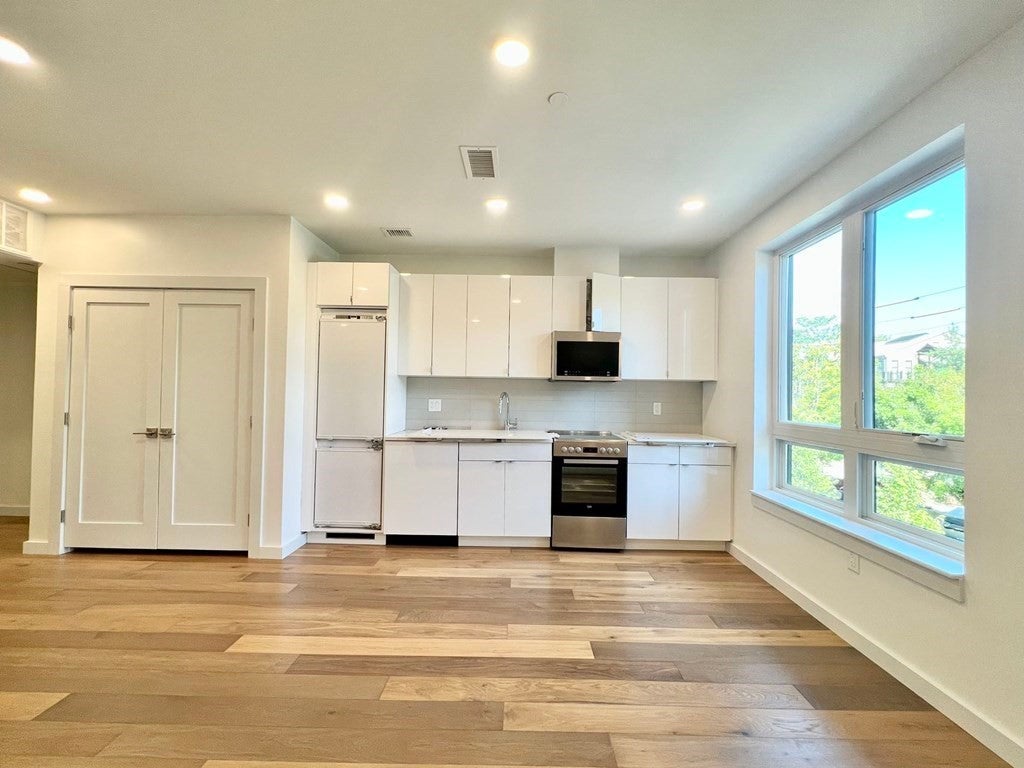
x=588, y=491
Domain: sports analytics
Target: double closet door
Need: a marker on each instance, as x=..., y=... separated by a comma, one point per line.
x=159, y=419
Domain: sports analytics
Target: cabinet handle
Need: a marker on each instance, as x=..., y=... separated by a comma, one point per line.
x=166, y=432
x=150, y=432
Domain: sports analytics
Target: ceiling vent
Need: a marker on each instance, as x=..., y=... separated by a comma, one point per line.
x=480, y=162
x=390, y=232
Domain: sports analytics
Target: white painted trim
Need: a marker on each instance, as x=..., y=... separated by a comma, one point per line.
x=988, y=733
x=505, y=541
x=65, y=284
x=13, y=510
x=278, y=553
x=320, y=536
x=928, y=568
x=700, y=546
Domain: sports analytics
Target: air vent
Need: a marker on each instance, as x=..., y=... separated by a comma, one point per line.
x=480, y=162
x=389, y=232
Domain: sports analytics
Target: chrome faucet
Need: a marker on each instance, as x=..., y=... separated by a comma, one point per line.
x=504, y=410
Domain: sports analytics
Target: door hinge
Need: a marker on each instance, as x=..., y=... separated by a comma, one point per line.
x=248, y=519
x=62, y=513
x=67, y=418
x=254, y=324
x=71, y=323
x=250, y=422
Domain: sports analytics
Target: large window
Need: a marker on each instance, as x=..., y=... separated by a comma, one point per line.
x=870, y=385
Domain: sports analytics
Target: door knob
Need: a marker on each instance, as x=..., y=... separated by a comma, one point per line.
x=166, y=432
x=150, y=432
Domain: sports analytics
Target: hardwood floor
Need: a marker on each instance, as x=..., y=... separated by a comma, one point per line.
x=365, y=657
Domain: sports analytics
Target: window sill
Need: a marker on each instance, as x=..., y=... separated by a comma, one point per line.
x=938, y=572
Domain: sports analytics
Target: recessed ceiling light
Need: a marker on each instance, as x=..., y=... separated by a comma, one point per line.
x=919, y=213
x=693, y=205
x=34, y=196
x=497, y=205
x=511, y=53
x=12, y=53
x=335, y=201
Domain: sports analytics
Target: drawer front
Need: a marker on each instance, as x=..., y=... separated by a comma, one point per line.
x=653, y=454
x=701, y=454
x=505, y=451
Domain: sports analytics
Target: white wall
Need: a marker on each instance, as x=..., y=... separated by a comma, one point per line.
x=968, y=658
x=17, y=352
x=162, y=246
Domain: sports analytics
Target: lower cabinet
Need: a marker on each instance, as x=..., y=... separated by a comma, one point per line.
x=421, y=488
x=505, y=490
x=679, y=493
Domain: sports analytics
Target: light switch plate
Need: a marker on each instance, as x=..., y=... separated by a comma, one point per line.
x=434, y=406
x=853, y=562
x=657, y=409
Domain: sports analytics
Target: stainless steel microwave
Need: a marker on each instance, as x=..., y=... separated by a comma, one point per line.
x=585, y=356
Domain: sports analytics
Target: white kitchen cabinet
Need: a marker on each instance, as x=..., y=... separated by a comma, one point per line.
x=421, y=488
x=705, y=502
x=481, y=498
x=693, y=328
x=528, y=498
x=530, y=326
x=645, y=328
x=605, y=302
x=448, y=350
x=416, y=318
x=345, y=284
x=652, y=492
x=568, y=303
x=370, y=284
x=487, y=339
x=505, y=489
x=333, y=283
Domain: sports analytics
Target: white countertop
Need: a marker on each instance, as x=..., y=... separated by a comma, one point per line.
x=474, y=435
x=674, y=438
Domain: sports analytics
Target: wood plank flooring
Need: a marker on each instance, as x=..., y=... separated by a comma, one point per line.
x=366, y=657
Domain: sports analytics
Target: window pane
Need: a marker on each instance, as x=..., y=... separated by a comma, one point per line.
x=813, y=332
x=928, y=499
x=815, y=470
x=919, y=320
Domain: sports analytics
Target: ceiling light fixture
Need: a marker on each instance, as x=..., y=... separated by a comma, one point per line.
x=690, y=206
x=34, y=196
x=12, y=53
x=335, y=201
x=497, y=205
x=511, y=53
x=919, y=213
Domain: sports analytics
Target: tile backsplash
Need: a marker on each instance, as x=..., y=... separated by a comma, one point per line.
x=539, y=404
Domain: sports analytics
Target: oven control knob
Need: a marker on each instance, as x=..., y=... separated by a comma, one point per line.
x=602, y=450
x=565, y=449
x=579, y=449
x=618, y=450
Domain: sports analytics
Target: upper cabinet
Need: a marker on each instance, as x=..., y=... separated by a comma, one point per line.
x=487, y=339
x=448, y=353
x=568, y=304
x=344, y=284
x=530, y=326
x=416, y=318
x=645, y=328
x=605, y=302
x=693, y=328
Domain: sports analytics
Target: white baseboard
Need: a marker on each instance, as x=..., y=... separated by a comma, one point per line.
x=13, y=510
x=41, y=548
x=278, y=553
x=682, y=546
x=505, y=541
x=989, y=734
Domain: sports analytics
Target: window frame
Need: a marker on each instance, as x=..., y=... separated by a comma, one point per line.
x=859, y=443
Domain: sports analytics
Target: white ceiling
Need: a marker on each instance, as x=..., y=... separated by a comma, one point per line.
x=259, y=106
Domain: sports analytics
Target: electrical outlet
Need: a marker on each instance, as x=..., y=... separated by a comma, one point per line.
x=657, y=409
x=853, y=562
x=434, y=406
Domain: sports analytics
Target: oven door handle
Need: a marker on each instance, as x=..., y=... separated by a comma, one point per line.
x=601, y=462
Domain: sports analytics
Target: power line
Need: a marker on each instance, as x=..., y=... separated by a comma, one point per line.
x=918, y=317
x=918, y=298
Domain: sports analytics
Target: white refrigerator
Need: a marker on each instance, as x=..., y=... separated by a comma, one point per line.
x=349, y=420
